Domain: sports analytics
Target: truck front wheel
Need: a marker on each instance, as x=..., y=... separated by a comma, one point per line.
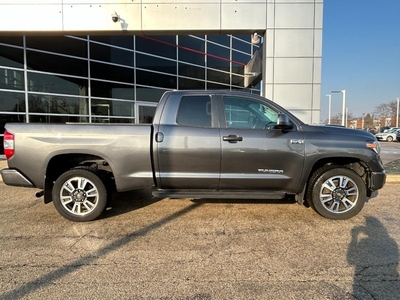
x=336, y=192
x=79, y=195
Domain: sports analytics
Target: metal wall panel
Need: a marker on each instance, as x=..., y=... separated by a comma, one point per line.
x=181, y=17
x=17, y=18
x=253, y=13
x=97, y=17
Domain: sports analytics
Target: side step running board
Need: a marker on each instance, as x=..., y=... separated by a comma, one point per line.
x=231, y=194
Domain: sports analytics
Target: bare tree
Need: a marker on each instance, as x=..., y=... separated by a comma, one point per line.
x=386, y=110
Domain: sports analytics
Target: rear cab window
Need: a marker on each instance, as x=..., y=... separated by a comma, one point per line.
x=195, y=111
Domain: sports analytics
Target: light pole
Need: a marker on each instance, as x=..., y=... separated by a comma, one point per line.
x=362, y=121
x=329, y=108
x=397, y=113
x=343, y=105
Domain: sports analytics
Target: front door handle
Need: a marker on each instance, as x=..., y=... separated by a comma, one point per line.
x=232, y=138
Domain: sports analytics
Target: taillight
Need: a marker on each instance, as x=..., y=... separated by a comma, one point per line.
x=8, y=144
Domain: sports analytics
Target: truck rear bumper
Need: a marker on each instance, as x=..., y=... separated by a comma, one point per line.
x=378, y=180
x=15, y=178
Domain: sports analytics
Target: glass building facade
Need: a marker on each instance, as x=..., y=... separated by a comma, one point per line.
x=112, y=79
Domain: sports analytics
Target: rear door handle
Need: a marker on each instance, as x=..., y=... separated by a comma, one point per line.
x=232, y=138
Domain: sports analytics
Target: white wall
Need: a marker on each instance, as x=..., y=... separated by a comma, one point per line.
x=293, y=55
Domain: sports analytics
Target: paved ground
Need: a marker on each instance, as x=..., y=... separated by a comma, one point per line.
x=147, y=248
x=144, y=248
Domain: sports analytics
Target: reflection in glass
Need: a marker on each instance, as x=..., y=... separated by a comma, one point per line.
x=108, y=108
x=116, y=40
x=149, y=94
x=12, y=102
x=224, y=40
x=191, y=71
x=189, y=84
x=217, y=76
x=105, y=89
x=110, y=72
x=146, y=114
x=12, y=40
x=218, y=57
x=11, y=79
x=241, y=45
x=156, y=64
x=70, y=46
x=52, y=63
x=46, y=83
x=11, y=57
x=57, y=104
x=156, y=79
x=238, y=81
x=237, y=69
x=164, y=46
x=116, y=120
x=215, y=86
x=240, y=57
x=42, y=118
x=111, y=55
x=191, y=50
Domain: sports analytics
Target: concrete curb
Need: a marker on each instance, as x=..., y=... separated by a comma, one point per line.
x=390, y=178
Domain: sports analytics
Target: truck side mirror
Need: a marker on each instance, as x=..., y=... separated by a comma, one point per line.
x=283, y=122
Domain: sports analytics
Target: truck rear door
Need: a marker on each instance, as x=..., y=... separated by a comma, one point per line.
x=188, y=146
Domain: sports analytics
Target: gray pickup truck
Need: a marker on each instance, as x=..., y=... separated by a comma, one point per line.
x=202, y=144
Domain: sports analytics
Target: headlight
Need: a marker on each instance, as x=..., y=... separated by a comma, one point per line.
x=374, y=145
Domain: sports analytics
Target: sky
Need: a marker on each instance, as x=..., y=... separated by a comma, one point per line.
x=360, y=54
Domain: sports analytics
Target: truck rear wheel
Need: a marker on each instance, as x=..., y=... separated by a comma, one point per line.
x=336, y=192
x=79, y=195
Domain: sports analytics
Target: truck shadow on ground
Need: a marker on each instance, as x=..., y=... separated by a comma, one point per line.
x=122, y=203
x=126, y=202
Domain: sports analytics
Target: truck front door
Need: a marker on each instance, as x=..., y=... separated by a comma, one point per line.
x=255, y=155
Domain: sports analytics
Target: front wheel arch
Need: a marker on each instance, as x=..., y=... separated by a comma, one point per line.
x=336, y=192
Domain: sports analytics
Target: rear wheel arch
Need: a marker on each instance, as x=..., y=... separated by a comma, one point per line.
x=62, y=163
x=79, y=195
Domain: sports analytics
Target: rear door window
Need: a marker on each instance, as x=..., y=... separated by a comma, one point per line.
x=195, y=111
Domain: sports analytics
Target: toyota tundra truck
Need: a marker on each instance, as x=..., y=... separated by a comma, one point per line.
x=201, y=144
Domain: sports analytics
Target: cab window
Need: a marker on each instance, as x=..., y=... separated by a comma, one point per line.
x=195, y=111
x=249, y=113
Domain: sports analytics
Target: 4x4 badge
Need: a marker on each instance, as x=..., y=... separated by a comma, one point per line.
x=297, y=141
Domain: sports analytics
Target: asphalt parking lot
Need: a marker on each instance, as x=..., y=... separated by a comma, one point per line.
x=147, y=248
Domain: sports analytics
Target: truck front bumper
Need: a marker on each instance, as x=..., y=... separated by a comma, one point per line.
x=378, y=180
x=15, y=178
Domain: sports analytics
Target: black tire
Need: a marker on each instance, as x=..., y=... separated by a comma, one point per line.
x=79, y=195
x=389, y=139
x=336, y=192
